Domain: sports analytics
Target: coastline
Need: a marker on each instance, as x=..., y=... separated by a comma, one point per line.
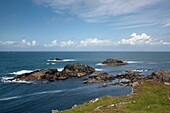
x=148, y=96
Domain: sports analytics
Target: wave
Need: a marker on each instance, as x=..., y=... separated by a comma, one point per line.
x=10, y=98
x=21, y=72
x=60, y=69
x=8, y=80
x=64, y=60
x=68, y=60
x=37, y=93
x=53, y=63
x=134, y=62
x=100, y=64
x=96, y=69
x=138, y=70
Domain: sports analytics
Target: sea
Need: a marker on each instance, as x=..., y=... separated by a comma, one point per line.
x=38, y=97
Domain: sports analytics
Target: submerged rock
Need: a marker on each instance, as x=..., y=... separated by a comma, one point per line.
x=112, y=61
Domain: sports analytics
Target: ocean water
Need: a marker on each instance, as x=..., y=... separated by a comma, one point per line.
x=35, y=96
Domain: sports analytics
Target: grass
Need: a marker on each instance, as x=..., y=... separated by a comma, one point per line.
x=148, y=97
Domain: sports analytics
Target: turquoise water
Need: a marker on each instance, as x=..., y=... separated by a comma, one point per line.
x=33, y=97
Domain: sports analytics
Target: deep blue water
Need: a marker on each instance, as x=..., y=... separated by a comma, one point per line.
x=38, y=97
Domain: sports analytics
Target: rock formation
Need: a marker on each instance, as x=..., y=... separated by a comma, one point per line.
x=98, y=77
x=112, y=61
x=70, y=70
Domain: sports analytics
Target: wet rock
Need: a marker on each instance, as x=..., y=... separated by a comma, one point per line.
x=70, y=70
x=36, y=75
x=55, y=59
x=99, y=77
x=112, y=61
x=77, y=70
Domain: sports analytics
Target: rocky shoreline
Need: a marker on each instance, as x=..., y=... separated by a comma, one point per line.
x=153, y=80
x=70, y=70
x=80, y=70
x=131, y=77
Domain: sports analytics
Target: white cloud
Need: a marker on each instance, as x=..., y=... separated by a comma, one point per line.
x=25, y=43
x=52, y=44
x=142, y=39
x=34, y=43
x=67, y=43
x=95, y=42
x=137, y=39
x=22, y=43
x=96, y=10
x=7, y=43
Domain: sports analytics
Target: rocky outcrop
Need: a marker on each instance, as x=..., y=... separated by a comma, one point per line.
x=55, y=59
x=70, y=70
x=50, y=75
x=162, y=75
x=98, y=77
x=112, y=61
x=77, y=70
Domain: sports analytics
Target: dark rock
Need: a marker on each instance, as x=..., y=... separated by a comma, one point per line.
x=163, y=75
x=36, y=75
x=99, y=77
x=70, y=70
x=112, y=61
x=55, y=59
x=77, y=70
x=130, y=75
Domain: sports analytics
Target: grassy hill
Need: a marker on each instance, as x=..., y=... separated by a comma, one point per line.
x=147, y=97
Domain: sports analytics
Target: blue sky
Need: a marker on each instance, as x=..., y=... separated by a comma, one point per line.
x=84, y=25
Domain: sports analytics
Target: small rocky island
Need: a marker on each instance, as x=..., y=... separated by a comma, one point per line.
x=113, y=61
x=70, y=70
x=55, y=59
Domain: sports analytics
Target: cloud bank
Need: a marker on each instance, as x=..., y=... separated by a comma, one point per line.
x=133, y=40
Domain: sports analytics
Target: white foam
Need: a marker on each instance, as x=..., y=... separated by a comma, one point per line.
x=100, y=64
x=134, y=62
x=68, y=60
x=53, y=60
x=52, y=63
x=21, y=72
x=96, y=69
x=138, y=70
x=60, y=69
x=45, y=92
x=37, y=93
x=64, y=60
x=8, y=80
x=47, y=63
x=10, y=98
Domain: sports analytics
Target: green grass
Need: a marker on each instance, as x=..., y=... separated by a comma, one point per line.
x=149, y=97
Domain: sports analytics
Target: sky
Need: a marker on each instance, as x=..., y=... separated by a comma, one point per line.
x=84, y=25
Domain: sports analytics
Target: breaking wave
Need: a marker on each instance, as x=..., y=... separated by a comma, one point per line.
x=21, y=72
x=64, y=60
x=96, y=69
x=11, y=80
x=134, y=62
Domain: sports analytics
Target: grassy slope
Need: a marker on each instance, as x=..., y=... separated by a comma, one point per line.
x=149, y=97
